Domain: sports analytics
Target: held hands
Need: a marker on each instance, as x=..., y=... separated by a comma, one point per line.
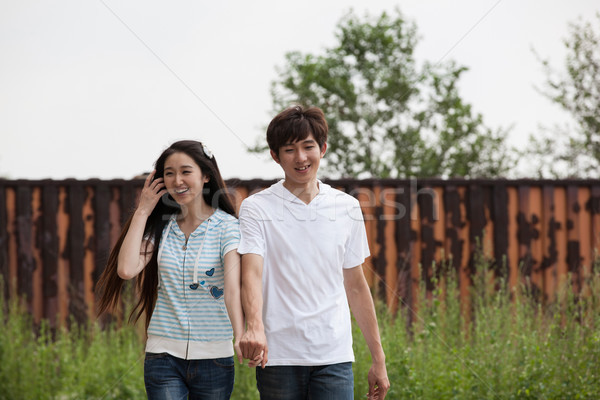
x=257, y=361
x=251, y=363
x=254, y=347
x=152, y=191
x=379, y=384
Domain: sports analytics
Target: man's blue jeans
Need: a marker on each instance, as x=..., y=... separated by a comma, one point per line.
x=326, y=382
x=168, y=377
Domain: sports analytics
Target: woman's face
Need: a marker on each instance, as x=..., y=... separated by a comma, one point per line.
x=184, y=179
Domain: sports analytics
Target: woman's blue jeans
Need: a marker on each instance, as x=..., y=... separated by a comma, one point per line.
x=325, y=382
x=167, y=377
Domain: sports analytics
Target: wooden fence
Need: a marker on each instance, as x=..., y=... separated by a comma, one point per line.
x=55, y=236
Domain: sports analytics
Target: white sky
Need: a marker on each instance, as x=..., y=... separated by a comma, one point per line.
x=97, y=89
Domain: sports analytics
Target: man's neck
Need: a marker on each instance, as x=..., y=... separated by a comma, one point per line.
x=306, y=192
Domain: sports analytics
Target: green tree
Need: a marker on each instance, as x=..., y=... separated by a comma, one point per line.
x=387, y=116
x=573, y=149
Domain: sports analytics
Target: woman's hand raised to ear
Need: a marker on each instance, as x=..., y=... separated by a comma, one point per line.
x=134, y=254
x=153, y=190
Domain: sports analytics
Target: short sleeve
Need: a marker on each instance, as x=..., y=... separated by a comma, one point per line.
x=252, y=238
x=357, y=245
x=230, y=236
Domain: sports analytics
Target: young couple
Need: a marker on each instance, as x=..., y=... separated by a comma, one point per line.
x=279, y=281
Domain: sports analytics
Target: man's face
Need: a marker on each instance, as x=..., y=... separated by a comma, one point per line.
x=300, y=160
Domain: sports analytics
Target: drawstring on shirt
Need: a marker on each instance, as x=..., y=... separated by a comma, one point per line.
x=195, y=284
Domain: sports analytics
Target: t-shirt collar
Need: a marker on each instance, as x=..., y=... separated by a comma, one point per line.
x=215, y=219
x=284, y=193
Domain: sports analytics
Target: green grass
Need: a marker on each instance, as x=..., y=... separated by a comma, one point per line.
x=510, y=347
x=84, y=362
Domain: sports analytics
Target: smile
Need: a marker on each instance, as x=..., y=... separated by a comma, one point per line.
x=303, y=168
x=181, y=191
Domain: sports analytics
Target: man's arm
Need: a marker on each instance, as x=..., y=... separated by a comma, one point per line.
x=254, y=342
x=363, y=309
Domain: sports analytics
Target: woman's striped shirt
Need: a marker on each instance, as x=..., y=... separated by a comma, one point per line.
x=193, y=323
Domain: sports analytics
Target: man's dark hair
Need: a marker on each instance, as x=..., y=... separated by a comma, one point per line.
x=296, y=123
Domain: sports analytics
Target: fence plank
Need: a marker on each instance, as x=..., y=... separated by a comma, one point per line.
x=514, y=251
x=595, y=210
x=487, y=239
x=415, y=268
x=525, y=233
x=102, y=200
x=585, y=237
x=477, y=218
x=379, y=260
x=240, y=193
x=574, y=257
x=427, y=202
x=403, y=245
x=367, y=203
x=439, y=228
x=37, y=298
x=454, y=224
x=62, y=226
x=115, y=219
x=89, y=255
x=391, y=252
x=49, y=245
x=11, y=230
x=4, y=264
x=560, y=201
x=24, y=227
x=464, y=269
x=550, y=252
x=536, y=245
x=501, y=232
x=77, y=304
x=127, y=198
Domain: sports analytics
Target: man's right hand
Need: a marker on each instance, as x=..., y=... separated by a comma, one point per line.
x=254, y=346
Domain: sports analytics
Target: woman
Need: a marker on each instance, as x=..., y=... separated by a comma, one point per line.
x=181, y=245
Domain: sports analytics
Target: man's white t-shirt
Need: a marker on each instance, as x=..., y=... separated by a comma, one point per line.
x=305, y=248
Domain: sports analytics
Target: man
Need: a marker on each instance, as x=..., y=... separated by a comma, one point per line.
x=302, y=245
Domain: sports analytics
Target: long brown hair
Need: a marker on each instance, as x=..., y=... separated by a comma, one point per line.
x=215, y=193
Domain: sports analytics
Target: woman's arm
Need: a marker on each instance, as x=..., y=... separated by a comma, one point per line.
x=233, y=299
x=133, y=256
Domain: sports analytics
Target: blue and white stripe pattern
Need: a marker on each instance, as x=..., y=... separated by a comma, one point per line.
x=194, y=316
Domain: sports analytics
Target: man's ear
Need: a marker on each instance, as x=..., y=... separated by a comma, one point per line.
x=275, y=156
x=323, y=149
